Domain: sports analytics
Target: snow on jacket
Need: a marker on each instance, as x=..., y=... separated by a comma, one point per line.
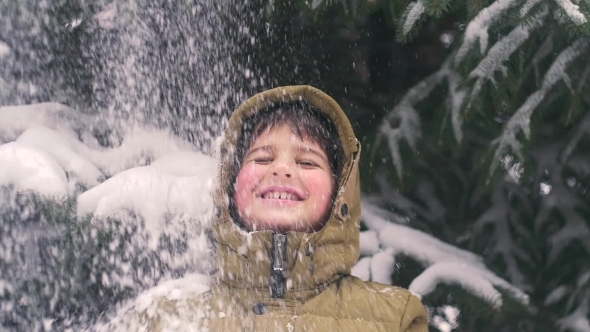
x=318, y=291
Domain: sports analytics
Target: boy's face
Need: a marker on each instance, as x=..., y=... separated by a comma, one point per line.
x=285, y=183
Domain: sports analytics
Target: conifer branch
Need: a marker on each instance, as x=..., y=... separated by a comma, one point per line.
x=573, y=11
x=499, y=53
x=456, y=97
x=477, y=30
x=528, y=5
x=410, y=21
x=499, y=215
x=578, y=320
x=415, y=11
x=520, y=121
x=409, y=120
x=316, y=3
x=544, y=50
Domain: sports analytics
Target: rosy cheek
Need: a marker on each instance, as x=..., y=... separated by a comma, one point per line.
x=321, y=188
x=246, y=180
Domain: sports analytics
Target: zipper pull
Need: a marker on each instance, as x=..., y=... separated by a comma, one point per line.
x=279, y=241
x=279, y=257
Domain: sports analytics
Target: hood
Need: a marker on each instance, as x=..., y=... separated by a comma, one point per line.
x=312, y=260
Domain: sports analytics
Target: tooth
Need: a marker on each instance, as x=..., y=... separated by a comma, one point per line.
x=290, y=197
x=275, y=195
x=283, y=196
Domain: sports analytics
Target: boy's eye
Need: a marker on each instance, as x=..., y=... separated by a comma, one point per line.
x=307, y=163
x=262, y=160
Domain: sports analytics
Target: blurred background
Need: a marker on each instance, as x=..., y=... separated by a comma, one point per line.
x=473, y=116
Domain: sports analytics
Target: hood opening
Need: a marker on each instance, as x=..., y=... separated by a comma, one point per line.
x=305, y=121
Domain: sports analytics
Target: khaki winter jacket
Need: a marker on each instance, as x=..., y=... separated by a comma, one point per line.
x=300, y=281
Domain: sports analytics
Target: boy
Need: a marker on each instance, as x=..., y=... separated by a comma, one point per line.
x=286, y=227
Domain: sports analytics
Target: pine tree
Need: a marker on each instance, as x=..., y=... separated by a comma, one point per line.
x=488, y=154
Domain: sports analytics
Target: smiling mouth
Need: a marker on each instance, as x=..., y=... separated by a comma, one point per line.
x=280, y=195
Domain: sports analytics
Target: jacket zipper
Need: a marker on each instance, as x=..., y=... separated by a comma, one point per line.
x=277, y=266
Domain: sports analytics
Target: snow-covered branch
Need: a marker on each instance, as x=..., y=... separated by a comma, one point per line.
x=560, y=199
x=582, y=130
x=474, y=280
x=500, y=217
x=578, y=320
x=316, y=3
x=572, y=11
x=501, y=52
x=409, y=120
x=544, y=50
x=443, y=263
x=414, y=12
x=183, y=291
x=456, y=97
x=528, y=5
x=520, y=121
x=477, y=30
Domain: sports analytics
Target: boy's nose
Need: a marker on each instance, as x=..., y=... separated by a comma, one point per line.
x=282, y=170
x=287, y=175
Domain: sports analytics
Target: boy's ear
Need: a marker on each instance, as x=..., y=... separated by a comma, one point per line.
x=347, y=202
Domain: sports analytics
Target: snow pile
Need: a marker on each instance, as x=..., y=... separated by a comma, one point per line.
x=14, y=120
x=95, y=215
x=69, y=138
x=443, y=263
x=67, y=152
x=168, y=211
x=29, y=168
x=184, y=293
x=141, y=190
x=4, y=49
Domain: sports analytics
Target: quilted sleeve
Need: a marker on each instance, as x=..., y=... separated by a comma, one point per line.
x=414, y=318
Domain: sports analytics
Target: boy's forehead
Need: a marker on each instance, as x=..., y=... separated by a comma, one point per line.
x=283, y=133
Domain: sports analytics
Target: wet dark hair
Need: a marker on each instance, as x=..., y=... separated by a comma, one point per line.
x=305, y=121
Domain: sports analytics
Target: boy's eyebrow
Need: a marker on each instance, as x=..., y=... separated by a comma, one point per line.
x=263, y=148
x=317, y=153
